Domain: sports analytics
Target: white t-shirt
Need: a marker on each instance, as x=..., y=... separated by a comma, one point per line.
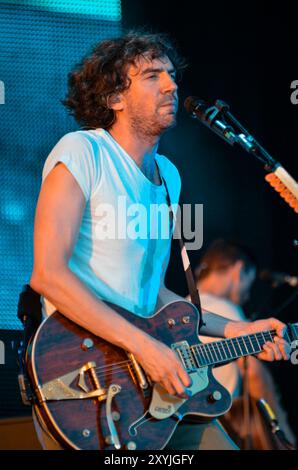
x=124, y=270
x=228, y=375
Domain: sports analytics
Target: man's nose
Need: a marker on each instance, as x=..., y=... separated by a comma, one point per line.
x=169, y=84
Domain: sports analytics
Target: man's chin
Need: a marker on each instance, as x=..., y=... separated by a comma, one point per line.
x=163, y=126
x=170, y=122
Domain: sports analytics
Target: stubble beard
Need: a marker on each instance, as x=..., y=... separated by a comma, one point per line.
x=150, y=127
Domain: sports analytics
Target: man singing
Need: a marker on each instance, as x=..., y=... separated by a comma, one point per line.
x=124, y=96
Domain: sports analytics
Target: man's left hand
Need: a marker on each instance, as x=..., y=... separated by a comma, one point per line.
x=272, y=351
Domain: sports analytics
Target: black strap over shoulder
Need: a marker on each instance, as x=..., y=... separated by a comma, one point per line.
x=30, y=314
x=29, y=311
x=192, y=288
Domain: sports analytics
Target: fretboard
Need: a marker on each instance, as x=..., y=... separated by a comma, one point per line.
x=222, y=351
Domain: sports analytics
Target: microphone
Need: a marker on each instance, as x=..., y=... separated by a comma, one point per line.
x=278, y=278
x=210, y=116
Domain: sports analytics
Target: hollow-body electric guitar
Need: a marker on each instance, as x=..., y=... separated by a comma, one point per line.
x=94, y=395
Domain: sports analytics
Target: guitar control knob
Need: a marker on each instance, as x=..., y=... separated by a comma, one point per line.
x=131, y=445
x=171, y=322
x=215, y=396
x=186, y=320
x=87, y=344
x=109, y=440
x=115, y=415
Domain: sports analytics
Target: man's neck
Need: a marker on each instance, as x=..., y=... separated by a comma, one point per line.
x=142, y=149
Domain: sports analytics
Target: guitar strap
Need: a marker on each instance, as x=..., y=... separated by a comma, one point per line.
x=192, y=288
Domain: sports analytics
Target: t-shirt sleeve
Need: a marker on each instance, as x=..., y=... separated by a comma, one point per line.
x=77, y=153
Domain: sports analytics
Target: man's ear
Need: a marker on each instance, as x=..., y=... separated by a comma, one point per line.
x=115, y=102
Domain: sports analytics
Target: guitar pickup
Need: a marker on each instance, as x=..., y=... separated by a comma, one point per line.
x=183, y=351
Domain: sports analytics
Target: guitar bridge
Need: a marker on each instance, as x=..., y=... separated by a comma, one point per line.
x=141, y=378
x=60, y=388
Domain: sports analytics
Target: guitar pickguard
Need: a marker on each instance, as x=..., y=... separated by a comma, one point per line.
x=164, y=405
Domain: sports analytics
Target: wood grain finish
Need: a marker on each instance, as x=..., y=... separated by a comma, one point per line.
x=57, y=350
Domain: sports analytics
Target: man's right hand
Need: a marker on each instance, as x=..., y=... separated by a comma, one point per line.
x=163, y=367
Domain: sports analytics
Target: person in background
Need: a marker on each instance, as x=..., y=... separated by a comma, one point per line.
x=224, y=277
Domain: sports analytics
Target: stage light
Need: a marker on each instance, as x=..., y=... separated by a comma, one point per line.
x=41, y=41
x=109, y=10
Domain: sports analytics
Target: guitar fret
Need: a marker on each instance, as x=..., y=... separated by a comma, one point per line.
x=265, y=334
x=258, y=343
x=200, y=354
x=221, y=348
x=222, y=351
x=239, y=346
x=205, y=354
x=248, y=345
x=212, y=346
x=244, y=344
x=270, y=336
x=252, y=346
x=264, y=339
x=216, y=345
x=210, y=351
x=225, y=349
x=228, y=351
x=222, y=345
x=255, y=343
x=231, y=341
x=261, y=339
x=196, y=356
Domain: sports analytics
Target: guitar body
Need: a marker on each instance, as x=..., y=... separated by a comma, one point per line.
x=61, y=347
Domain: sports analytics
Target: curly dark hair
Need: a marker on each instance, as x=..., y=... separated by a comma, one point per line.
x=103, y=73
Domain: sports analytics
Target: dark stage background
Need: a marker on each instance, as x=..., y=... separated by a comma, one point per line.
x=245, y=54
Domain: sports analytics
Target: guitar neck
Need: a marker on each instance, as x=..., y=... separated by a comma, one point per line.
x=220, y=352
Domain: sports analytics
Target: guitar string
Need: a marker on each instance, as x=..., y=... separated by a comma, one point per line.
x=116, y=368
x=198, y=346
x=126, y=361
x=112, y=368
x=205, y=349
x=117, y=372
x=123, y=366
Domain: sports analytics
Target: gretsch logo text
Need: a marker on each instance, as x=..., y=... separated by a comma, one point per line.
x=160, y=409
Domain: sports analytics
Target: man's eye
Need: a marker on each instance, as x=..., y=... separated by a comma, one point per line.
x=153, y=76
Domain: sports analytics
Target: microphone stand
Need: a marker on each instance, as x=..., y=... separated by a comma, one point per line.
x=247, y=442
x=277, y=176
x=230, y=129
